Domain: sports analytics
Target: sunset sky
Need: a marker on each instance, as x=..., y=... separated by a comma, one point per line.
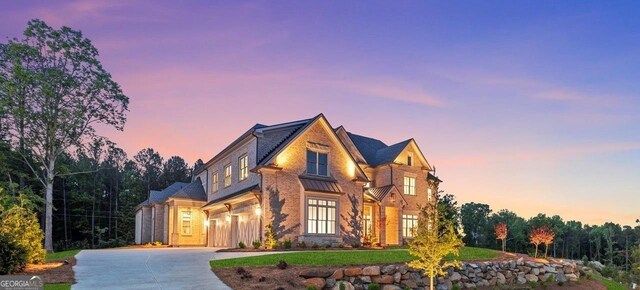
x=533, y=107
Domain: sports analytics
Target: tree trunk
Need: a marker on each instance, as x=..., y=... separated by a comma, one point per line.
x=431, y=281
x=546, y=249
x=48, y=216
x=535, y=255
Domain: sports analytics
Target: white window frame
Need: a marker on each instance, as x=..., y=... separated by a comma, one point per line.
x=313, y=223
x=409, y=222
x=429, y=195
x=215, y=182
x=243, y=167
x=409, y=185
x=186, y=222
x=227, y=175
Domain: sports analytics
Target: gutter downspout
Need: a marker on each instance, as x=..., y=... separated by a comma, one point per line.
x=262, y=199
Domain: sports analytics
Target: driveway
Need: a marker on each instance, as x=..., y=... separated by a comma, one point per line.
x=148, y=268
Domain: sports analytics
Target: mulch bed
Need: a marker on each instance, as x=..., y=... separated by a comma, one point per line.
x=264, y=277
x=53, y=271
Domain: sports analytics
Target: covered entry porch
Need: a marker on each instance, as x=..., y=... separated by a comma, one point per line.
x=382, y=216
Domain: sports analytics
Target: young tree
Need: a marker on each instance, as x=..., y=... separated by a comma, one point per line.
x=501, y=234
x=448, y=210
x=547, y=239
x=539, y=236
x=56, y=91
x=432, y=243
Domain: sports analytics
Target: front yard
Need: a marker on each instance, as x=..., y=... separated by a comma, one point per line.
x=56, y=273
x=344, y=257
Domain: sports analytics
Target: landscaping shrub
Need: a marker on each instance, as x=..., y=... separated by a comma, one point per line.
x=302, y=245
x=609, y=271
x=455, y=287
x=13, y=257
x=315, y=246
x=287, y=244
x=341, y=286
x=241, y=245
x=244, y=274
x=311, y=288
x=341, y=245
x=327, y=245
x=282, y=265
x=256, y=244
x=270, y=240
x=373, y=286
x=21, y=226
x=157, y=243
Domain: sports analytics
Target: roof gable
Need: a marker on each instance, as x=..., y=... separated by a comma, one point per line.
x=299, y=132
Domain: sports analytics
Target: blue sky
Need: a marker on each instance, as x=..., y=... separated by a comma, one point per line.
x=532, y=106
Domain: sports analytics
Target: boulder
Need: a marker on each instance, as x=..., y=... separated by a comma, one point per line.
x=382, y=279
x=572, y=277
x=337, y=274
x=409, y=283
x=347, y=286
x=388, y=269
x=314, y=273
x=396, y=277
x=520, y=261
x=469, y=285
x=501, y=280
x=455, y=277
x=521, y=280
x=535, y=271
x=561, y=278
x=403, y=269
x=365, y=279
x=390, y=287
x=317, y=283
x=371, y=271
x=549, y=269
x=531, y=278
x=351, y=272
x=330, y=282
x=442, y=287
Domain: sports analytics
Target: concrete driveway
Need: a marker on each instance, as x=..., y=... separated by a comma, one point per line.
x=148, y=268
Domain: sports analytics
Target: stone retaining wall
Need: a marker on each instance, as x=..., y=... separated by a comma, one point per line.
x=470, y=275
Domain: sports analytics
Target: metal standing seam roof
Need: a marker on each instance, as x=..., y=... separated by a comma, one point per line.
x=320, y=184
x=380, y=192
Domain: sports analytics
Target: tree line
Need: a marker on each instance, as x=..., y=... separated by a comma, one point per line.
x=96, y=191
x=609, y=243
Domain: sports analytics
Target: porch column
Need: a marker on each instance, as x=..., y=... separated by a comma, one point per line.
x=175, y=234
x=383, y=226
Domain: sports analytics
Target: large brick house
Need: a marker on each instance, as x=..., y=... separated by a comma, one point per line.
x=305, y=178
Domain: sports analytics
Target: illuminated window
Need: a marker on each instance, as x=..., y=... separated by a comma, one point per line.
x=409, y=185
x=409, y=222
x=227, y=175
x=214, y=182
x=321, y=216
x=429, y=194
x=317, y=163
x=186, y=222
x=243, y=167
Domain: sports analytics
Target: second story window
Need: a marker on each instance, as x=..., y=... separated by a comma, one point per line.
x=317, y=163
x=429, y=195
x=214, y=182
x=243, y=167
x=409, y=185
x=227, y=175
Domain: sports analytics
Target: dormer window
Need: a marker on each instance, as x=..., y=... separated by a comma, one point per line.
x=317, y=163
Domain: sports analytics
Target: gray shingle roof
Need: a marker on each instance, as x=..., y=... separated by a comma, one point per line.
x=193, y=191
x=374, y=151
x=161, y=196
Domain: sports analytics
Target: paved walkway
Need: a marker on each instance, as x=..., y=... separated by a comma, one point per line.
x=147, y=268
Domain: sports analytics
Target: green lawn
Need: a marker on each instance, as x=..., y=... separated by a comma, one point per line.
x=610, y=284
x=343, y=257
x=61, y=286
x=61, y=255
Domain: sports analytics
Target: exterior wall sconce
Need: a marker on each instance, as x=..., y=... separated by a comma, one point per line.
x=228, y=218
x=258, y=211
x=206, y=223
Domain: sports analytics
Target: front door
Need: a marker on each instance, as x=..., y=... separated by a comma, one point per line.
x=392, y=230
